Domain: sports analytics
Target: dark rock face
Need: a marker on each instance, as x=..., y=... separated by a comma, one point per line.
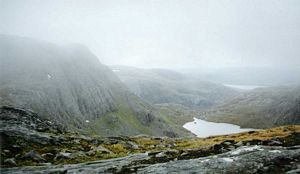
x=70, y=85
x=11, y=116
x=22, y=129
x=27, y=125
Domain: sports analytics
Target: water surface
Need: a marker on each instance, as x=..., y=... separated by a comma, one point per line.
x=203, y=128
x=244, y=87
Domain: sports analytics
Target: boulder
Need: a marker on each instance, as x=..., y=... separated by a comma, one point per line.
x=98, y=149
x=131, y=145
x=63, y=155
x=33, y=155
x=10, y=161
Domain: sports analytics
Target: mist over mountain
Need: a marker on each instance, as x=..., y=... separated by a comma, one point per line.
x=170, y=34
x=262, y=76
x=161, y=86
x=70, y=85
x=149, y=86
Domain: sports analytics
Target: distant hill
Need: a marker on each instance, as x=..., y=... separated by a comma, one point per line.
x=255, y=76
x=260, y=108
x=70, y=85
x=161, y=86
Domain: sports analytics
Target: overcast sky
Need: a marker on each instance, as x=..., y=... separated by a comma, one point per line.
x=166, y=33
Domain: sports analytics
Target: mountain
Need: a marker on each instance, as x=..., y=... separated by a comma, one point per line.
x=160, y=86
x=70, y=86
x=260, y=108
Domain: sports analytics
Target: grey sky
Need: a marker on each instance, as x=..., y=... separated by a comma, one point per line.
x=166, y=33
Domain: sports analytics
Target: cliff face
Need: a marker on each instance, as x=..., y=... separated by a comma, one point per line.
x=56, y=83
x=71, y=86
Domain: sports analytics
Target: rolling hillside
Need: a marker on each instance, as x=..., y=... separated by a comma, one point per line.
x=160, y=86
x=260, y=108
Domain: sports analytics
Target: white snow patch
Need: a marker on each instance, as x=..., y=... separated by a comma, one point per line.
x=65, y=154
x=49, y=76
x=204, y=161
x=227, y=159
x=246, y=149
x=159, y=155
x=87, y=121
x=275, y=151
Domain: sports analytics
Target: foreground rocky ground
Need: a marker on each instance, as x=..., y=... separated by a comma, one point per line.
x=251, y=159
x=34, y=145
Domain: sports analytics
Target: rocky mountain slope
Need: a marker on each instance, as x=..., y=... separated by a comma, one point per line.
x=32, y=144
x=160, y=86
x=69, y=85
x=260, y=108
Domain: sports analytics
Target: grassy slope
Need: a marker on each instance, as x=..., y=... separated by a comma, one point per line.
x=177, y=116
x=260, y=108
x=134, y=117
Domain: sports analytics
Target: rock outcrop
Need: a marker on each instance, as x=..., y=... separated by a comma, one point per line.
x=251, y=159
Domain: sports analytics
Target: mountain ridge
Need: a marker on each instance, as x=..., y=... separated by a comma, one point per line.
x=70, y=85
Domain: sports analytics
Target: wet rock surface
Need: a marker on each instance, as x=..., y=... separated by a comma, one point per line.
x=250, y=159
x=246, y=159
